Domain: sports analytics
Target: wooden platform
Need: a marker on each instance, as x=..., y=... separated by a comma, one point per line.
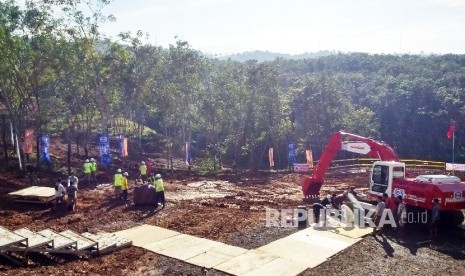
x=34, y=194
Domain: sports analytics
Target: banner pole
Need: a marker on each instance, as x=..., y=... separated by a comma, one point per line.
x=453, y=153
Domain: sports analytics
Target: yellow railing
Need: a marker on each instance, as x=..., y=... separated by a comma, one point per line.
x=368, y=162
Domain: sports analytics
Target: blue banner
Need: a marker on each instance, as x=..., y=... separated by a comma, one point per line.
x=104, y=149
x=291, y=154
x=44, y=146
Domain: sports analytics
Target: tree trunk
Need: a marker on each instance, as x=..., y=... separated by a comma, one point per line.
x=68, y=136
x=38, y=150
x=5, y=147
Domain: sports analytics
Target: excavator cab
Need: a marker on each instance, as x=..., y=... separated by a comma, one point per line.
x=382, y=175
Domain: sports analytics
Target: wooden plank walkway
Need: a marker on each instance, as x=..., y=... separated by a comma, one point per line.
x=287, y=256
x=59, y=241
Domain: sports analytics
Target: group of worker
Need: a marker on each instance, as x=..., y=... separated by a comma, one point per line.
x=90, y=170
x=397, y=208
x=395, y=205
x=154, y=180
x=68, y=194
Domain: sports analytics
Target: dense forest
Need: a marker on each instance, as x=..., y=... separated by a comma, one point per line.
x=60, y=75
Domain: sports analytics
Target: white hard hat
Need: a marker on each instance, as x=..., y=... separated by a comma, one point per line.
x=158, y=175
x=92, y=159
x=142, y=162
x=119, y=170
x=125, y=174
x=87, y=160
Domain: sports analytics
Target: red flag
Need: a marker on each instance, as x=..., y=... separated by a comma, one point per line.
x=450, y=133
x=28, y=140
x=270, y=157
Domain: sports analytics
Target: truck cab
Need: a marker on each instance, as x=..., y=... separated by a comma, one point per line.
x=382, y=175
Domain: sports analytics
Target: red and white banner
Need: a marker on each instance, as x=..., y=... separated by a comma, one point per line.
x=301, y=168
x=455, y=167
x=270, y=157
x=357, y=147
x=28, y=141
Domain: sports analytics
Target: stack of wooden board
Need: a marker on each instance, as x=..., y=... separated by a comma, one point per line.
x=34, y=194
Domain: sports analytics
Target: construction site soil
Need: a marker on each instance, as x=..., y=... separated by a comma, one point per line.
x=229, y=208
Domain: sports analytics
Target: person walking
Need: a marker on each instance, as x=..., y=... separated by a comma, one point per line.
x=143, y=170
x=93, y=170
x=87, y=170
x=118, y=183
x=72, y=196
x=124, y=187
x=160, y=191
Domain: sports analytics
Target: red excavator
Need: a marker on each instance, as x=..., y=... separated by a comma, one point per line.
x=388, y=176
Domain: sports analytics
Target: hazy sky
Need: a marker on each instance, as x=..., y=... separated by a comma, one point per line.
x=297, y=26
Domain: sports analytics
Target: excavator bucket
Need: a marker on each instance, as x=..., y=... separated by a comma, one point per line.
x=311, y=187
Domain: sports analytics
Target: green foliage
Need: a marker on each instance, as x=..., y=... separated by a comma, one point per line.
x=61, y=75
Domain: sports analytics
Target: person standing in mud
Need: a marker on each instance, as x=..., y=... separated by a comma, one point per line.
x=72, y=196
x=318, y=206
x=73, y=178
x=401, y=215
x=124, y=187
x=60, y=193
x=93, y=170
x=143, y=171
x=160, y=191
x=435, y=218
x=377, y=216
x=118, y=182
x=87, y=170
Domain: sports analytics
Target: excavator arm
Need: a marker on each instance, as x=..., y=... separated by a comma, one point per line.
x=311, y=185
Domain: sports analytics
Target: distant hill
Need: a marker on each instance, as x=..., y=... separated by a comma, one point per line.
x=269, y=56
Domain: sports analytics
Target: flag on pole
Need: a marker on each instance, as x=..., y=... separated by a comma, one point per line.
x=270, y=157
x=28, y=141
x=291, y=153
x=451, y=131
x=123, y=146
x=104, y=149
x=309, y=157
x=44, y=146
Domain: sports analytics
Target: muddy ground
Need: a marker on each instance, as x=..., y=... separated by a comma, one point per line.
x=228, y=208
